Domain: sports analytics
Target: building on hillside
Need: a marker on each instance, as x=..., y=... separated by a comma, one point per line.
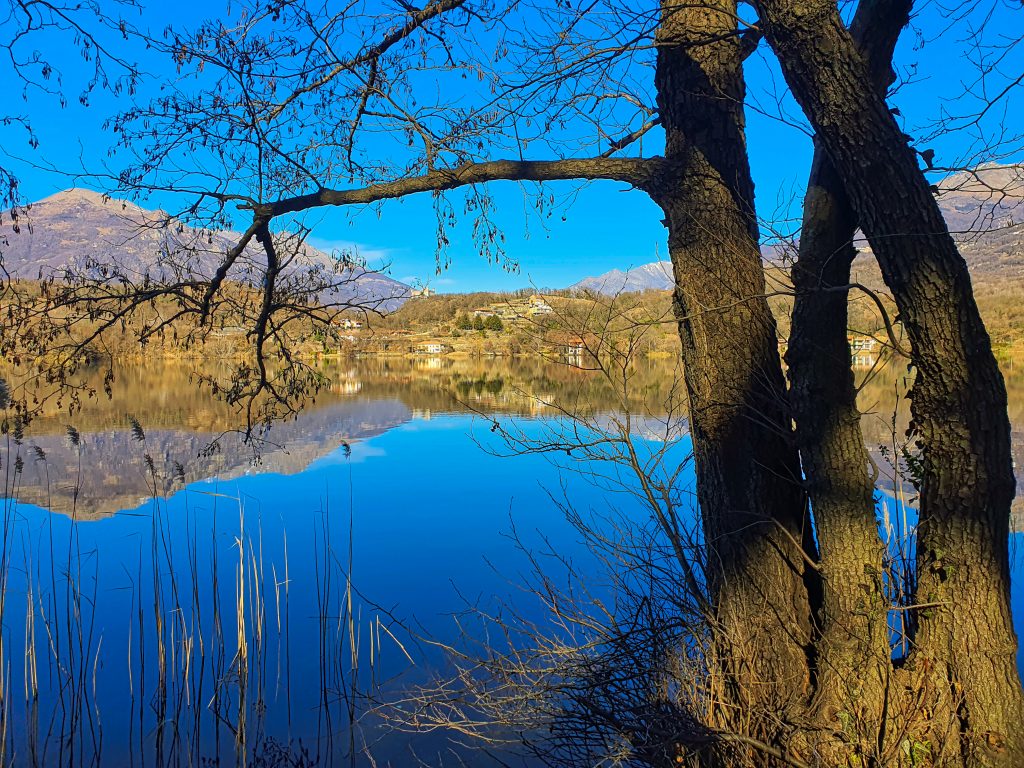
x=349, y=324
x=230, y=330
x=571, y=347
x=538, y=306
x=860, y=342
x=422, y=292
x=575, y=347
x=432, y=347
x=483, y=312
x=864, y=350
x=513, y=311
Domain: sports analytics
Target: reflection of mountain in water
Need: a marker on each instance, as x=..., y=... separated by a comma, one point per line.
x=115, y=476
x=366, y=398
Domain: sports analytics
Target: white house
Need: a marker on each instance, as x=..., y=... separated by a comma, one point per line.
x=432, y=347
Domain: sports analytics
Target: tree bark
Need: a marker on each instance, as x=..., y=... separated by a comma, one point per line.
x=853, y=662
x=752, y=504
x=965, y=646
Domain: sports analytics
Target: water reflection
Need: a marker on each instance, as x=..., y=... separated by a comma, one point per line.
x=886, y=417
x=253, y=604
x=365, y=398
x=235, y=621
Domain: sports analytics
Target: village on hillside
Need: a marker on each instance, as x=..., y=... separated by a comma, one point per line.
x=562, y=325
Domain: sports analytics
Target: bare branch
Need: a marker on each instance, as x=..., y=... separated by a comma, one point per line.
x=637, y=172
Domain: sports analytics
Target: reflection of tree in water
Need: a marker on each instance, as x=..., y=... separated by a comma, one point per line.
x=367, y=397
x=364, y=398
x=167, y=395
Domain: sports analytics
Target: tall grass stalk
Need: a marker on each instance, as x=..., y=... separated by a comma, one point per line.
x=196, y=691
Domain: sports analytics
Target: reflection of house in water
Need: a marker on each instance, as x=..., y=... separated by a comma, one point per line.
x=423, y=414
x=430, y=364
x=863, y=350
x=541, y=403
x=346, y=386
x=573, y=348
x=863, y=359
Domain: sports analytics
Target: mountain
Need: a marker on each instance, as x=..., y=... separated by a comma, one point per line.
x=654, y=276
x=983, y=207
x=985, y=212
x=85, y=233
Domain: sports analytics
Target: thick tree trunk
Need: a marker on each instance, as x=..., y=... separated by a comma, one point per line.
x=965, y=646
x=853, y=660
x=853, y=647
x=748, y=485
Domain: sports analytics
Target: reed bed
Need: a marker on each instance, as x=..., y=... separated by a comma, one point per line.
x=176, y=643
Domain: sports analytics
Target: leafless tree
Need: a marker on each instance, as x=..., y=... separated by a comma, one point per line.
x=296, y=106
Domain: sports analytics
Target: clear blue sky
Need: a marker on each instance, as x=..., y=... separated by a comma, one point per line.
x=605, y=227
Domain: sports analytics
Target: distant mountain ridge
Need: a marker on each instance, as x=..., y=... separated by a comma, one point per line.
x=655, y=276
x=984, y=209
x=84, y=232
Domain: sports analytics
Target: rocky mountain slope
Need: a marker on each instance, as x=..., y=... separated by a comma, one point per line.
x=983, y=207
x=82, y=232
x=654, y=276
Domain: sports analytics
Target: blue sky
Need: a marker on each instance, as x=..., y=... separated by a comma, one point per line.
x=604, y=227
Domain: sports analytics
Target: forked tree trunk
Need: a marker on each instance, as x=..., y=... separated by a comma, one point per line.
x=853, y=664
x=965, y=645
x=748, y=485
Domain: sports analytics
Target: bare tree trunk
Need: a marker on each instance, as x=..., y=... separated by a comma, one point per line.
x=748, y=485
x=966, y=643
x=853, y=663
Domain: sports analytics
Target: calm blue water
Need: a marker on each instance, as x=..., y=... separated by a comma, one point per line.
x=224, y=607
x=429, y=513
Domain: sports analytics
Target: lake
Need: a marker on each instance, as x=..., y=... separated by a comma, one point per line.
x=236, y=607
